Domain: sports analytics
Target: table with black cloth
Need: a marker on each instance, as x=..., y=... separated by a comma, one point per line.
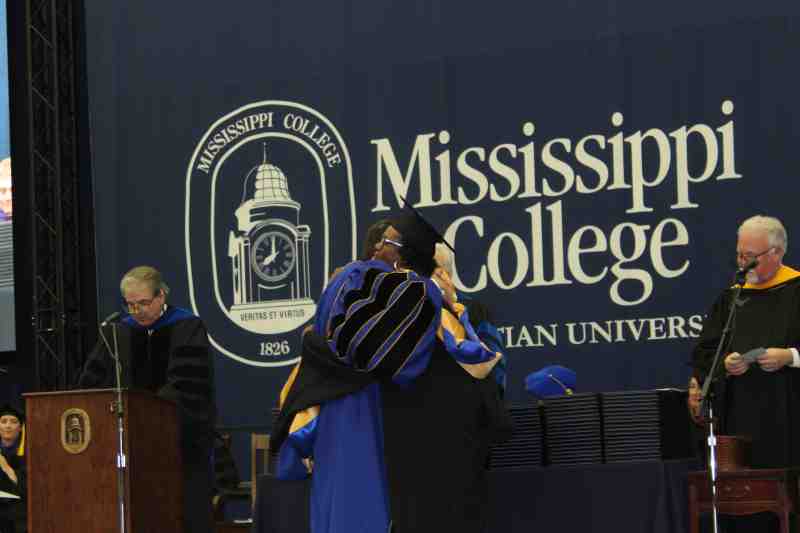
x=623, y=497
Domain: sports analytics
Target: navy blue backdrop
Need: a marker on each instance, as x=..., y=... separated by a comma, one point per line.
x=590, y=161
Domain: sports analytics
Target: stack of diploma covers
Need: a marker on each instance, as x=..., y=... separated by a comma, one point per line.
x=525, y=448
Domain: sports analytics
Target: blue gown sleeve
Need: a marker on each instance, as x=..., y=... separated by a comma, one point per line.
x=299, y=445
x=381, y=321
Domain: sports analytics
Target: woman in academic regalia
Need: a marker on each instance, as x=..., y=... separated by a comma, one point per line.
x=12, y=470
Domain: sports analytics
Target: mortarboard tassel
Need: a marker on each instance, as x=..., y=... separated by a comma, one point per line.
x=21, y=447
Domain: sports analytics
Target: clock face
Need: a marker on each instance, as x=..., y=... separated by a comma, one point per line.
x=273, y=256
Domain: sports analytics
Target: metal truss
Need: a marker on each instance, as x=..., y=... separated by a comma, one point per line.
x=55, y=239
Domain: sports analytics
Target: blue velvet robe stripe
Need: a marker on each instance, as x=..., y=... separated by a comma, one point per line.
x=373, y=316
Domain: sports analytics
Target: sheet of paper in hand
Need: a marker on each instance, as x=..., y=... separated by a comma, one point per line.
x=751, y=355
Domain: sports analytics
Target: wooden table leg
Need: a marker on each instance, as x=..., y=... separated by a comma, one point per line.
x=694, y=516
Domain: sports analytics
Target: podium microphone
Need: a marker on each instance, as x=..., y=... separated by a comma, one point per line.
x=113, y=317
x=119, y=410
x=748, y=267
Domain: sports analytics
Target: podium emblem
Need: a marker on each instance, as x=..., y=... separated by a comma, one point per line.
x=76, y=430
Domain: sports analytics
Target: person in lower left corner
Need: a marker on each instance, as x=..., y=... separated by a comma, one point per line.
x=13, y=479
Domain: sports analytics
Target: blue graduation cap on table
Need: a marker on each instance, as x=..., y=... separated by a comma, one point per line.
x=553, y=380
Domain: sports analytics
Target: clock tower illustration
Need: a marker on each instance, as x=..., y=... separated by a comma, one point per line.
x=269, y=253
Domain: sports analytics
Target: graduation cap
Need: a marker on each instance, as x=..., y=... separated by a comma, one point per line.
x=418, y=234
x=553, y=380
x=9, y=409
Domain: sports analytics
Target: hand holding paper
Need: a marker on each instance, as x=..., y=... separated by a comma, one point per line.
x=735, y=365
x=773, y=359
x=751, y=356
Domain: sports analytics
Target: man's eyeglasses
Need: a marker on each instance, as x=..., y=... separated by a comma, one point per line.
x=386, y=240
x=135, y=306
x=747, y=257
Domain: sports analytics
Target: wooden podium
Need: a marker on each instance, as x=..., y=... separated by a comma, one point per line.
x=72, y=441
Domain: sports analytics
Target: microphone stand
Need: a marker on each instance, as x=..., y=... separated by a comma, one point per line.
x=118, y=409
x=707, y=404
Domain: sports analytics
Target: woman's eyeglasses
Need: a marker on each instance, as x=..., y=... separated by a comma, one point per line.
x=386, y=240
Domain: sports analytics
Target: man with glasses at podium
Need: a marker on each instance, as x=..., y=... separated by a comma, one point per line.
x=165, y=349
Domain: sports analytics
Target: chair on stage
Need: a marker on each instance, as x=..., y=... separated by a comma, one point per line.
x=227, y=483
x=260, y=460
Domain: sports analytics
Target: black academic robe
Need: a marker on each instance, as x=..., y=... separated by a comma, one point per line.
x=171, y=358
x=437, y=433
x=13, y=512
x=759, y=404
